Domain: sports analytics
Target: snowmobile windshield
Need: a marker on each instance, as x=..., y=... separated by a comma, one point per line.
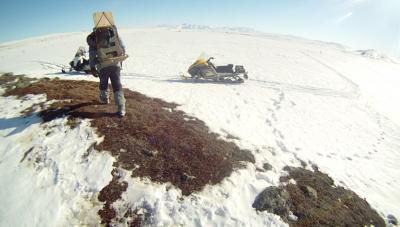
x=201, y=60
x=203, y=57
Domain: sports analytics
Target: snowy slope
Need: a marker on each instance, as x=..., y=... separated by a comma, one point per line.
x=305, y=100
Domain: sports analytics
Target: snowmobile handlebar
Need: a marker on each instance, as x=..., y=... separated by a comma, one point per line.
x=209, y=59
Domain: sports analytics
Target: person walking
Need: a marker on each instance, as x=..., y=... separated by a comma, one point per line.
x=106, y=53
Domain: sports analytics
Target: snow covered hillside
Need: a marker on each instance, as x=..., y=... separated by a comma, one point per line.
x=304, y=100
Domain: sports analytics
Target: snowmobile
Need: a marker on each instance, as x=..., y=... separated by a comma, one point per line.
x=80, y=63
x=205, y=69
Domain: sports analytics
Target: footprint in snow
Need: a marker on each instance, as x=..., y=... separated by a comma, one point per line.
x=272, y=150
x=282, y=146
x=274, y=117
x=278, y=133
x=56, y=173
x=281, y=97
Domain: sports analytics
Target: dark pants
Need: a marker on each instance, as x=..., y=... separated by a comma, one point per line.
x=112, y=72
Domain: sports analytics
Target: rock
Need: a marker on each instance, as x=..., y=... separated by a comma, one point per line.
x=267, y=166
x=274, y=200
x=392, y=220
x=150, y=153
x=310, y=192
x=260, y=170
x=292, y=217
x=303, y=163
x=314, y=167
x=186, y=177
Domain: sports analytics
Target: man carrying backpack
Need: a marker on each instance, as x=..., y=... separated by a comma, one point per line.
x=106, y=52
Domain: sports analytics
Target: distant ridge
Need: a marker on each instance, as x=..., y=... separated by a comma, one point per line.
x=209, y=28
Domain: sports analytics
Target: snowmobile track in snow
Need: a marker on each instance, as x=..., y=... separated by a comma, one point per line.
x=352, y=93
x=50, y=65
x=302, y=89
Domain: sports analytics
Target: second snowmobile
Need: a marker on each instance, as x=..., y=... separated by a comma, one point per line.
x=203, y=68
x=80, y=63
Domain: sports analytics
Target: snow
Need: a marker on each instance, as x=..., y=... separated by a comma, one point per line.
x=304, y=100
x=374, y=54
x=214, y=206
x=46, y=178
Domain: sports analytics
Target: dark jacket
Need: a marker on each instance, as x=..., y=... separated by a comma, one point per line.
x=91, y=41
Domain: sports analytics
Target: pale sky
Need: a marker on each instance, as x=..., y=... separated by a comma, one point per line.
x=359, y=24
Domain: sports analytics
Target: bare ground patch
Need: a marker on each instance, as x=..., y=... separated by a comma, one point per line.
x=153, y=140
x=109, y=194
x=10, y=81
x=156, y=140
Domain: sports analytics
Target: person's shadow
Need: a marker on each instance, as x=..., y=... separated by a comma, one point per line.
x=73, y=111
x=68, y=73
x=19, y=124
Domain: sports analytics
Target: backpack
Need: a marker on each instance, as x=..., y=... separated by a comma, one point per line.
x=109, y=47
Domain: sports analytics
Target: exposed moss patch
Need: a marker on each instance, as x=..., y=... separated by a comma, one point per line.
x=10, y=81
x=153, y=140
x=109, y=194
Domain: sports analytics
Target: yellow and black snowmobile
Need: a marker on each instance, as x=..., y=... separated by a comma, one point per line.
x=204, y=69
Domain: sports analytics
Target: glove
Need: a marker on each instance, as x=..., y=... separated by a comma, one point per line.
x=94, y=72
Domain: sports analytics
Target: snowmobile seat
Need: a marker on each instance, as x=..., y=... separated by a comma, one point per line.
x=225, y=69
